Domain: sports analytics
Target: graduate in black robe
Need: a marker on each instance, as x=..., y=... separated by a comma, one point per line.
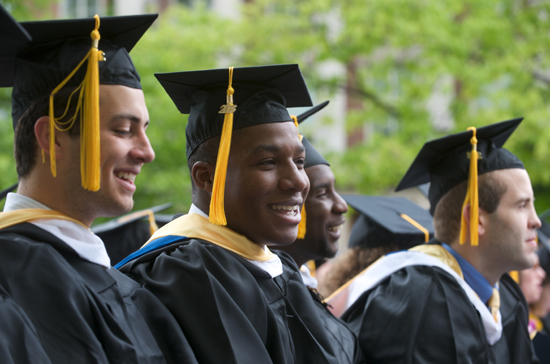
x=235, y=300
x=430, y=304
x=83, y=312
x=19, y=343
x=318, y=239
x=51, y=265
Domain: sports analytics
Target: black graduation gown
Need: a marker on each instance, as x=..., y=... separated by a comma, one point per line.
x=420, y=314
x=19, y=343
x=341, y=335
x=515, y=317
x=231, y=310
x=82, y=312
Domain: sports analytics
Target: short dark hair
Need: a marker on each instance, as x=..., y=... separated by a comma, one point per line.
x=207, y=151
x=25, y=143
x=448, y=212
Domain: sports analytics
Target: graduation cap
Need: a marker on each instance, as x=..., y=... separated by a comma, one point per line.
x=5, y=192
x=76, y=53
x=394, y=221
x=126, y=234
x=313, y=157
x=219, y=101
x=13, y=38
x=448, y=161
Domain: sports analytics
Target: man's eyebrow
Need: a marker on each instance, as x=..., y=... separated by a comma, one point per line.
x=272, y=148
x=130, y=117
x=325, y=185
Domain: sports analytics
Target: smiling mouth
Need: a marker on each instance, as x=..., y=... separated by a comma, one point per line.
x=289, y=210
x=336, y=228
x=130, y=177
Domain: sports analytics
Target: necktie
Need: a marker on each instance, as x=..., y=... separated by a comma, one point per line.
x=494, y=304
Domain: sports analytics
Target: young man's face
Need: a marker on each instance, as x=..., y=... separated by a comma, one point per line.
x=266, y=183
x=324, y=210
x=511, y=229
x=125, y=148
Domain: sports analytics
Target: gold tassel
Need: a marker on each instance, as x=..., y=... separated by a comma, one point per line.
x=88, y=110
x=302, y=224
x=472, y=196
x=295, y=119
x=153, y=227
x=217, y=211
x=514, y=275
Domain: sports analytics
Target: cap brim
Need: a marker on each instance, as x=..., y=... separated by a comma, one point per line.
x=386, y=211
x=5, y=192
x=431, y=152
x=124, y=31
x=303, y=116
x=13, y=38
x=286, y=78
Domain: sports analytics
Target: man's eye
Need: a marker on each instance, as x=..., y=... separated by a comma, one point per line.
x=122, y=132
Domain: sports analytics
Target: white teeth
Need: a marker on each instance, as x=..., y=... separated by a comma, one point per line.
x=127, y=176
x=335, y=228
x=292, y=210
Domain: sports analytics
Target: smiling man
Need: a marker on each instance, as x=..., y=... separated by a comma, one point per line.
x=236, y=301
x=324, y=210
x=77, y=157
x=450, y=300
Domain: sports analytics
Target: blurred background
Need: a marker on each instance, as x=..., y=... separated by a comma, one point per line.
x=397, y=72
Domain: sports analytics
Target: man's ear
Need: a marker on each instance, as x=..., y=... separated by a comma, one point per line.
x=42, y=134
x=483, y=222
x=202, y=174
x=483, y=219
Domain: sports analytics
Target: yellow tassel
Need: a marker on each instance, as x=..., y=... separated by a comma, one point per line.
x=89, y=123
x=88, y=110
x=302, y=224
x=217, y=211
x=411, y=221
x=312, y=268
x=295, y=119
x=515, y=275
x=472, y=196
x=153, y=227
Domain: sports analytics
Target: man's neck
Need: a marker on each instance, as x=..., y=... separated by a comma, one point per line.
x=52, y=200
x=474, y=255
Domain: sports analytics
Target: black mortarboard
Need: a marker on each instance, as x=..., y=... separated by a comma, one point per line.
x=393, y=221
x=13, y=38
x=262, y=95
x=5, y=192
x=313, y=157
x=58, y=46
x=221, y=100
x=445, y=162
x=126, y=234
x=81, y=54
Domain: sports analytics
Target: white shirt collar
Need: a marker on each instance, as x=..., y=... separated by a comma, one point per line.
x=273, y=267
x=85, y=243
x=309, y=280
